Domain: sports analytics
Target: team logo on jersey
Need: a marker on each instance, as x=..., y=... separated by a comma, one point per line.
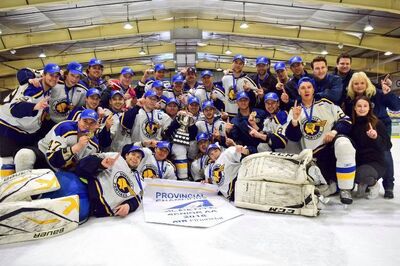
x=123, y=185
x=60, y=106
x=150, y=130
x=314, y=129
x=218, y=175
x=150, y=171
x=231, y=95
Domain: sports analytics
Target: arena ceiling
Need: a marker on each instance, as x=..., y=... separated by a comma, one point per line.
x=196, y=32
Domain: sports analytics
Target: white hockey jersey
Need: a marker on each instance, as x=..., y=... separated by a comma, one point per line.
x=208, y=128
x=316, y=121
x=203, y=95
x=232, y=87
x=63, y=100
x=23, y=94
x=149, y=125
x=119, y=183
x=197, y=167
x=224, y=170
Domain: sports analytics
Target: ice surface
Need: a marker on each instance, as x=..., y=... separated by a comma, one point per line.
x=366, y=233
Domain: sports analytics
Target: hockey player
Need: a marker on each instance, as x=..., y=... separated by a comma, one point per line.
x=271, y=136
x=210, y=91
x=23, y=113
x=177, y=91
x=213, y=126
x=92, y=101
x=191, y=83
x=123, y=84
x=193, y=107
x=147, y=122
x=113, y=133
x=92, y=77
x=235, y=83
x=247, y=119
x=145, y=83
x=165, y=168
x=172, y=107
x=320, y=126
x=264, y=80
x=223, y=168
x=201, y=160
x=283, y=79
x=114, y=185
x=63, y=146
x=67, y=94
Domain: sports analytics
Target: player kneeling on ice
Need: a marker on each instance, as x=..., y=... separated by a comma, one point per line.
x=223, y=167
x=322, y=126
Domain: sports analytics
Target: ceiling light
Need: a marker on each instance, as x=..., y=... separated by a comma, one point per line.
x=244, y=25
x=340, y=45
x=388, y=53
x=228, y=52
x=13, y=51
x=42, y=55
x=368, y=27
x=324, y=52
x=202, y=44
x=219, y=69
x=128, y=26
x=142, y=51
x=1, y=32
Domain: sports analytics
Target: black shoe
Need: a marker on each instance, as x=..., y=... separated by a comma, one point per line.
x=388, y=194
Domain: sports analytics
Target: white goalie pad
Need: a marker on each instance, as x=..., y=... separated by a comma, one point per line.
x=22, y=185
x=32, y=220
x=277, y=182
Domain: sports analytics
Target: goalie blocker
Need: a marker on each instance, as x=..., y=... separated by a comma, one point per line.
x=278, y=182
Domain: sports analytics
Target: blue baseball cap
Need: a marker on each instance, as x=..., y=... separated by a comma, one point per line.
x=202, y=136
x=242, y=95
x=295, y=59
x=206, y=73
x=262, y=60
x=178, y=78
x=113, y=93
x=95, y=62
x=212, y=147
x=136, y=149
x=207, y=104
x=191, y=70
x=157, y=84
x=127, y=70
x=279, y=66
x=239, y=57
x=74, y=68
x=159, y=67
x=164, y=145
x=89, y=114
x=51, y=68
x=93, y=91
x=171, y=100
x=150, y=93
x=271, y=96
x=305, y=79
x=193, y=99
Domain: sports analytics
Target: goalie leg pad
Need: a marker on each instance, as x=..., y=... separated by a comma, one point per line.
x=276, y=197
x=71, y=184
x=24, y=184
x=24, y=159
x=31, y=220
x=345, y=163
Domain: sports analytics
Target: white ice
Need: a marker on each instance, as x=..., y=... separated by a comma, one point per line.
x=366, y=233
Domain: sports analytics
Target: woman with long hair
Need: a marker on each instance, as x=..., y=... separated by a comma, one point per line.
x=371, y=141
x=382, y=99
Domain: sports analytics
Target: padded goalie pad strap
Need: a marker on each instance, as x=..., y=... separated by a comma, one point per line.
x=31, y=220
x=24, y=184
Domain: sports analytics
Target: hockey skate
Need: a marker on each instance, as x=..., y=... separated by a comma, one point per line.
x=345, y=196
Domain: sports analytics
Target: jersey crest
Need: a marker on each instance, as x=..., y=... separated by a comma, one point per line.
x=123, y=187
x=314, y=129
x=150, y=130
x=218, y=175
x=231, y=95
x=149, y=171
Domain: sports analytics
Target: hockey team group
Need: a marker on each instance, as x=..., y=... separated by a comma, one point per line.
x=104, y=137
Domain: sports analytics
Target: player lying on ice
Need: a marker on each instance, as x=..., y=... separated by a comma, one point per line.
x=113, y=188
